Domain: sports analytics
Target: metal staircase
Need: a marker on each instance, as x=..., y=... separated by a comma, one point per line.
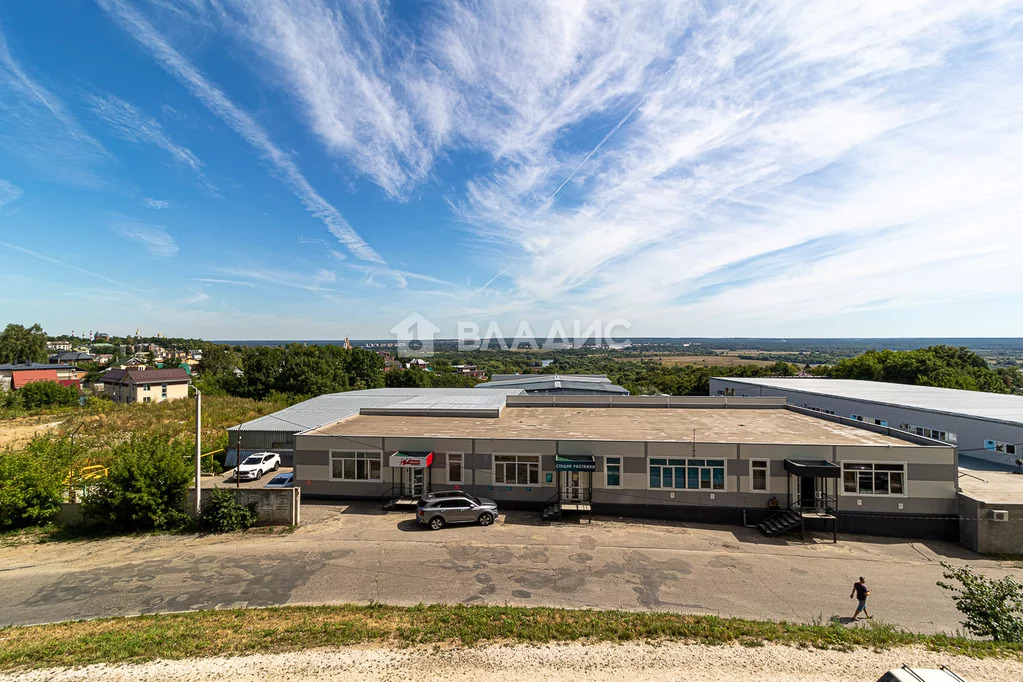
x=552, y=508
x=782, y=522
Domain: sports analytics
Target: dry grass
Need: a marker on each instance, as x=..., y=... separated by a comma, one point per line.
x=214, y=633
x=103, y=424
x=698, y=360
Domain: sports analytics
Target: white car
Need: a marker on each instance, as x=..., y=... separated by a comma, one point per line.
x=255, y=466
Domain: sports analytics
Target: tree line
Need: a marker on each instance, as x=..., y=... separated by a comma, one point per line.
x=942, y=366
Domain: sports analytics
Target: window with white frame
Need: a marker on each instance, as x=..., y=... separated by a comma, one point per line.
x=613, y=472
x=687, y=474
x=758, y=475
x=454, y=467
x=999, y=446
x=873, y=478
x=355, y=466
x=517, y=469
x=163, y=390
x=935, y=434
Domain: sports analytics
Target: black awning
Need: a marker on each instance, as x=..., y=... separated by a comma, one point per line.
x=574, y=463
x=812, y=468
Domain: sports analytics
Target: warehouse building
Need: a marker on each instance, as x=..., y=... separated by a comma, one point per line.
x=276, y=432
x=714, y=460
x=987, y=426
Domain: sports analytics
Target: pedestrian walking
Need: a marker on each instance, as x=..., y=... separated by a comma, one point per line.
x=860, y=591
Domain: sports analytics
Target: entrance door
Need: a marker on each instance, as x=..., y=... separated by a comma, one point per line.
x=808, y=494
x=412, y=482
x=576, y=486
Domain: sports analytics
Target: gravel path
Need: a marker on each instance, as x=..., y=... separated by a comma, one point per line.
x=667, y=661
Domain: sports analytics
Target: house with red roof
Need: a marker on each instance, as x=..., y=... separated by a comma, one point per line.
x=14, y=376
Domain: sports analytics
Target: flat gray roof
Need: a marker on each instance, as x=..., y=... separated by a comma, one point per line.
x=546, y=382
x=329, y=408
x=763, y=425
x=992, y=406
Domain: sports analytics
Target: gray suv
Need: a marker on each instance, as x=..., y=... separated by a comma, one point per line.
x=437, y=510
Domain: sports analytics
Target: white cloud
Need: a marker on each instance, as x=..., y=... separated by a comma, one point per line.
x=284, y=278
x=8, y=192
x=197, y=297
x=158, y=204
x=705, y=169
x=37, y=129
x=153, y=238
x=339, y=63
x=241, y=122
x=56, y=261
x=211, y=280
x=140, y=128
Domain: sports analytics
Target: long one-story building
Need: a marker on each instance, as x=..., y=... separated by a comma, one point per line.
x=276, y=432
x=982, y=425
x=716, y=460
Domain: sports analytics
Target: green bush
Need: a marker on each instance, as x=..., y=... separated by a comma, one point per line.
x=993, y=608
x=30, y=490
x=145, y=489
x=48, y=394
x=223, y=514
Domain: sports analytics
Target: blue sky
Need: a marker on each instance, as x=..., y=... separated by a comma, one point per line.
x=310, y=169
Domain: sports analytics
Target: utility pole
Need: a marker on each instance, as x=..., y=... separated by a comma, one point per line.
x=238, y=460
x=198, y=452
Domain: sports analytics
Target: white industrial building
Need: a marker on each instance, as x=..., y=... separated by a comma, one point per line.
x=986, y=426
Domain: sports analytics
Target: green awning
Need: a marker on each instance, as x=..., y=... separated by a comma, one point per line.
x=574, y=463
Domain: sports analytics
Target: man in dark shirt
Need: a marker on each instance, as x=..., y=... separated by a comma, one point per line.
x=860, y=591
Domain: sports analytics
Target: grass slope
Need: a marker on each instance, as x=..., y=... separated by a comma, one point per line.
x=246, y=631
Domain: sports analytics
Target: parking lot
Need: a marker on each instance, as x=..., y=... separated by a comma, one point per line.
x=358, y=553
x=226, y=479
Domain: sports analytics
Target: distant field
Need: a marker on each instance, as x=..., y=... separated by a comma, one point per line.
x=699, y=360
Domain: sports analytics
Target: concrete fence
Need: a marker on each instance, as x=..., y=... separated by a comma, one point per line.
x=990, y=527
x=274, y=506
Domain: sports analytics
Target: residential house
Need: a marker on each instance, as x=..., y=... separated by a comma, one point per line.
x=71, y=357
x=471, y=370
x=58, y=345
x=14, y=376
x=145, y=385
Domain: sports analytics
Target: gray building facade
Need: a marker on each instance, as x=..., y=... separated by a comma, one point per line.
x=712, y=460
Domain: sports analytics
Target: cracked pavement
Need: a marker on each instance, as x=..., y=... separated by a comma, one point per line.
x=357, y=554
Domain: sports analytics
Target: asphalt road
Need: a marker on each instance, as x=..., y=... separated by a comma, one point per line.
x=358, y=554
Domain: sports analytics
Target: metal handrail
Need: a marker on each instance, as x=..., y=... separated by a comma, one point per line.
x=830, y=503
x=586, y=494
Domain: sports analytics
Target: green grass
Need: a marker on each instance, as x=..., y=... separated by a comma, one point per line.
x=243, y=631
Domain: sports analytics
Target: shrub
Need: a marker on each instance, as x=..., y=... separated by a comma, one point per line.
x=145, y=489
x=993, y=608
x=30, y=490
x=48, y=394
x=222, y=513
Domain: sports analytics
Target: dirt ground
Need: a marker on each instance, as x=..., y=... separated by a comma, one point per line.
x=665, y=661
x=18, y=431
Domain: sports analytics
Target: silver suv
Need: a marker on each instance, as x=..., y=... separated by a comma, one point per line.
x=437, y=510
